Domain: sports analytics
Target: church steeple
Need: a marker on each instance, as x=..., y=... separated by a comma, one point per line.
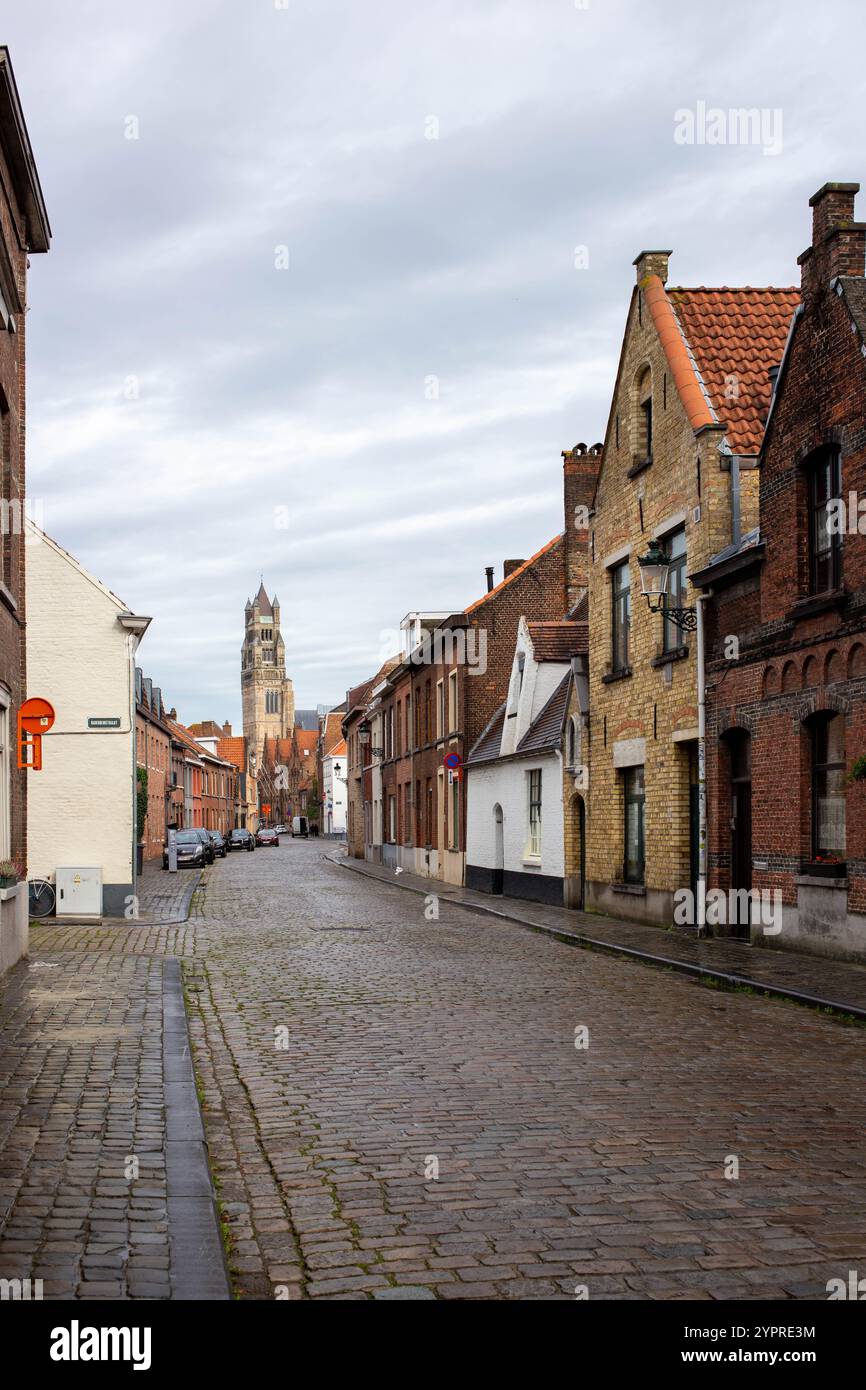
x=267, y=694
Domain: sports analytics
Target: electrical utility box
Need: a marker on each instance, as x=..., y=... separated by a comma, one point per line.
x=79, y=894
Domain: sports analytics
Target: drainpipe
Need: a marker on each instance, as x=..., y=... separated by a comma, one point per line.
x=702, y=767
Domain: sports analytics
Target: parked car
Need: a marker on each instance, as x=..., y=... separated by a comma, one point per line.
x=190, y=850
x=241, y=839
x=300, y=826
x=281, y=830
x=204, y=836
x=266, y=835
x=218, y=841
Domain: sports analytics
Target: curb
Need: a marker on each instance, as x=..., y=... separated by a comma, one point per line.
x=682, y=967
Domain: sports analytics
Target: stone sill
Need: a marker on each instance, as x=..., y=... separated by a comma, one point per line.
x=638, y=466
x=610, y=676
x=675, y=654
x=820, y=881
x=531, y=862
x=7, y=894
x=815, y=604
x=637, y=890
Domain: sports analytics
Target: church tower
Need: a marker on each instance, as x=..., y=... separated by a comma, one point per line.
x=268, y=696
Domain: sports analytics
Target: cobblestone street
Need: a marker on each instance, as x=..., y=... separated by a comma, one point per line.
x=348, y=1050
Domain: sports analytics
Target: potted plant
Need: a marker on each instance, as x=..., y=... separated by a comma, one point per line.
x=858, y=769
x=9, y=873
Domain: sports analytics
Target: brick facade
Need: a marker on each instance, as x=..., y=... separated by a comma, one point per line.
x=24, y=229
x=801, y=644
x=665, y=475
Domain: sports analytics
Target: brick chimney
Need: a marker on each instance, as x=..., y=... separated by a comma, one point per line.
x=652, y=263
x=227, y=729
x=838, y=242
x=580, y=467
x=509, y=566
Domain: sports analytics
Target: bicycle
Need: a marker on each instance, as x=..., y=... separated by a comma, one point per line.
x=42, y=897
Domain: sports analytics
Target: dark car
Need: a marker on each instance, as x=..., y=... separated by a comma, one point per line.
x=190, y=850
x=241, y=839
x=266, y=835
x=218, y=841
x=204, y=836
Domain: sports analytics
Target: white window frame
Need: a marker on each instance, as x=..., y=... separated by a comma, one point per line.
x=453, y=722
x=533, y=837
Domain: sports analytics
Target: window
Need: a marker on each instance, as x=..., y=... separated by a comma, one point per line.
x=534, y=845
x=647, y=414
x=419, y=811
x=428, y=713
x=828, y=789
x=825, y=539
x=440, y=708
x=454, y=838
x=430, y=822
x=5, y=766
x=452, y=703
x=572, y=743
x=644, y=451
x=392, y=819
x=675, y=549
x=398, y=728
x=621, y=613
x=633, y=789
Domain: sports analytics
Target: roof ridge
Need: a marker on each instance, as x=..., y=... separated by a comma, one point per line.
x=521, y=569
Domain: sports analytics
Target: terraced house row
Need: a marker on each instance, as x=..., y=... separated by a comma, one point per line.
x=660, y=715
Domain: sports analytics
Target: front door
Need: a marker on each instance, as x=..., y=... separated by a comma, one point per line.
x=741, y=831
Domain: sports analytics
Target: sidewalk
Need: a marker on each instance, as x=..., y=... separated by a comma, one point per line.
x=164, y=897
x=784, y=974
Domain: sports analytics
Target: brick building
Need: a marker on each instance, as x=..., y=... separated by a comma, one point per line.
x=678, y=467
x=287, y=778
x=153, y=755
x=786, y=716
x=24, y=230
x=440, y=694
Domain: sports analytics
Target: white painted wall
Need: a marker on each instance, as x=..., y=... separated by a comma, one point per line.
x=80, y=806
x=335, y=794
x=507, y=784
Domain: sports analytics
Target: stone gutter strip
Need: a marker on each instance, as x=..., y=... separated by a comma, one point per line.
x=730, y=979
x=196, y=1258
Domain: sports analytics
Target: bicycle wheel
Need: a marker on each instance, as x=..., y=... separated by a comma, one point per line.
x=42, y=898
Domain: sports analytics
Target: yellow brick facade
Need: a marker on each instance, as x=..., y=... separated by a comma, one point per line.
x=648, y=717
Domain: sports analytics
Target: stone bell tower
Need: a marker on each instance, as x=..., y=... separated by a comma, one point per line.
x=268, y=696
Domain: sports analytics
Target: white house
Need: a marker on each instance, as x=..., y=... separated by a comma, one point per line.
x=334, y=790
x=81, y=645
x=514, y=773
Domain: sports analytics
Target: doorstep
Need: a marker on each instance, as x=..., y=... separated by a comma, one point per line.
x=805, y=979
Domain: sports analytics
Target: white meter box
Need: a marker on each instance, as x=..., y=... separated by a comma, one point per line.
x=79, y=892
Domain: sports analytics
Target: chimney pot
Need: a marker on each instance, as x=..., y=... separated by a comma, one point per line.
x=489, y=572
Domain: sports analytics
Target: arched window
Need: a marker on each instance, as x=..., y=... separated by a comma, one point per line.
x=643, y=450
x=573, y=743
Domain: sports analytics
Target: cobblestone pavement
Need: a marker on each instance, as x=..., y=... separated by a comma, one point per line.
x=348, y=1049
x=794, y=974
x=412, y=1043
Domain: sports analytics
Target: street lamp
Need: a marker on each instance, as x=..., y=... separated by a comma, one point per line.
x=655, y=570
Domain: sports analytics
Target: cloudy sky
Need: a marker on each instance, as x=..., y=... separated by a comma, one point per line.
x=322, y=320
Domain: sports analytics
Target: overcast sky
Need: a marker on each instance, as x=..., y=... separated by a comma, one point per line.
x=199, y=415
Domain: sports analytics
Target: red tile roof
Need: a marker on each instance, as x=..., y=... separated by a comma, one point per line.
x=307, y=739
x=233, y=750
x=332, y=730
x=521, y=569
x=735, y=336
x=558, y=641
